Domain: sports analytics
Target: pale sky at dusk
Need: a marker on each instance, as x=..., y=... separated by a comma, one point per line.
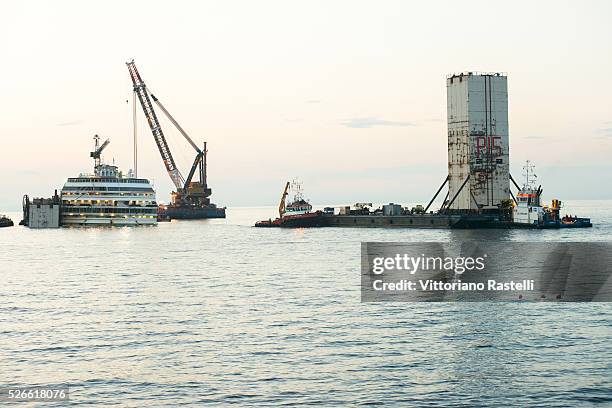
x=349, y=96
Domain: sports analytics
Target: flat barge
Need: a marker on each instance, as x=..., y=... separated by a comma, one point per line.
x=439, y=221
x=396, y=221
x=526, y=211
x=479, y=194
x=445, y=221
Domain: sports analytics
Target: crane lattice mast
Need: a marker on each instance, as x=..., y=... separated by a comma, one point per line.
x=141, y=90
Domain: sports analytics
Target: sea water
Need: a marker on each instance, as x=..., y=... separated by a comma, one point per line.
x=218, y=312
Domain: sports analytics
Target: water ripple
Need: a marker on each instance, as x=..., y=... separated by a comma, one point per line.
x=219, y=313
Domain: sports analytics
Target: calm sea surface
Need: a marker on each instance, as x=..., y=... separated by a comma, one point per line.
x=217, y=312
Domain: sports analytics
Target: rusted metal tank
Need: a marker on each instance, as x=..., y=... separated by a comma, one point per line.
x=478, y=145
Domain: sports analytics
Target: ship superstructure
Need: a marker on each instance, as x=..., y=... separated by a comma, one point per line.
x=107, y=197
x=528, y=208
x=299, y=205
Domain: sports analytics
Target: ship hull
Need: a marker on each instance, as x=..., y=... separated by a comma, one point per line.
x=268, y=223
x=307, y=220
x=411, y=221
x=115, y=222
x=399, y=221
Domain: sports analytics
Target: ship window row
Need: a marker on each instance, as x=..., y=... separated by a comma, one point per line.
x=87, y=188
x=106, y=180
x=89, y=203
x=91, y=193
x=107, y=210
x=106, y=216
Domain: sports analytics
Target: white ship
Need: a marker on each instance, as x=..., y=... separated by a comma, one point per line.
x=107, y=197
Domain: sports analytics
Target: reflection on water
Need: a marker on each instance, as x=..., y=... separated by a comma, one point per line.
x=219, y=312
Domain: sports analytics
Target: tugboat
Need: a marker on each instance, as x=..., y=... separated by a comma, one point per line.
x=297, y=214
x=5, y=221
x=530, y=213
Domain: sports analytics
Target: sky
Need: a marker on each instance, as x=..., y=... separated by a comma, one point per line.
x=348, y=96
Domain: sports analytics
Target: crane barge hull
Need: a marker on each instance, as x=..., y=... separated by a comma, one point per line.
x=196, y=213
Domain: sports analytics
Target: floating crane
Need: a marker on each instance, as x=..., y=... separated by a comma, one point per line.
x=191, y=198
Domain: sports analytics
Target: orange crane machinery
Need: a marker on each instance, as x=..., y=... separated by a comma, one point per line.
x=281, y=206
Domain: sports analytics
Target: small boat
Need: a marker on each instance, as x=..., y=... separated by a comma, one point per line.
x=297, y=214
x=5, y=221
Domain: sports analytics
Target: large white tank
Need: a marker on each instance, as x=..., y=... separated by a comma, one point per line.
x=477, y=112
x=44, y=213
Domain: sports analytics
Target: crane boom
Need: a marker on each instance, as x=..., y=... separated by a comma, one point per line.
x=196, y=163
x=96, y=154
x=281, y=206
x=175, y=123
x=98, y=149
x=141, y=90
